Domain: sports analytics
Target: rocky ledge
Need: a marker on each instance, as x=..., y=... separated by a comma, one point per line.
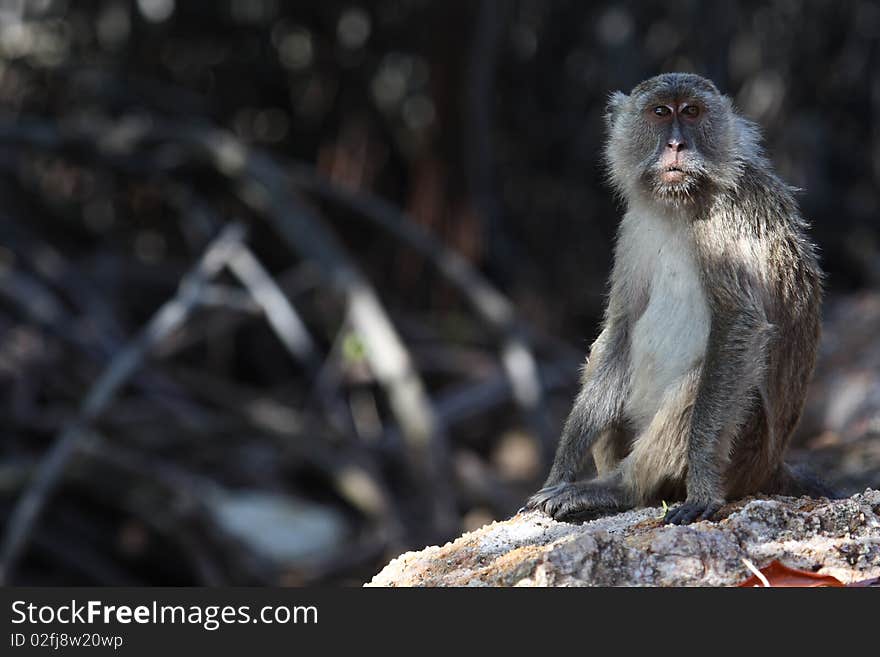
x=840, y=538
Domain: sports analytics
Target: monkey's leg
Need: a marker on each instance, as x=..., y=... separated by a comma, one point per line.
x=583, y=499
x=733, y=369
x=598, y=405
x=610, y=448
x=657, y=464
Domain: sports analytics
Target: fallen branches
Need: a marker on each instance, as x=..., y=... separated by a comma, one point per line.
x=263, y=186
x=169, y=317
x=359, y=470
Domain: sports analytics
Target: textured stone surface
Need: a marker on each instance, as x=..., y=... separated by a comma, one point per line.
x=839, y=538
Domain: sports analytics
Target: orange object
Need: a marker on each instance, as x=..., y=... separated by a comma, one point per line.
x=780, y=575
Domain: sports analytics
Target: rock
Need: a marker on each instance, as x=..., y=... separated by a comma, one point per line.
x=838, y=537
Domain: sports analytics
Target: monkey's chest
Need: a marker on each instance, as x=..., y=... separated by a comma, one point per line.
x=669, y=338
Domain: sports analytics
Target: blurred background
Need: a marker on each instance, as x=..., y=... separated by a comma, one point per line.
x=288, y=288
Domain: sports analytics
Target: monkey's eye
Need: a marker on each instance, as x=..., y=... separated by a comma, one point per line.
x=692, y=111
x=662, y=110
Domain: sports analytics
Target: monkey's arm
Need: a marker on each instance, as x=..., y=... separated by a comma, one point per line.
x=598, y=404
x=733, y=371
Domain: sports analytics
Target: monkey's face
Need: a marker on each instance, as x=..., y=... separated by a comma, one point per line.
x=670, y=138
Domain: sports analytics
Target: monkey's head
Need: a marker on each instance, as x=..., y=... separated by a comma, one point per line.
x=675, y=136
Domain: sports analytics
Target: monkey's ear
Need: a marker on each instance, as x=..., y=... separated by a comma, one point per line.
x=615, y=101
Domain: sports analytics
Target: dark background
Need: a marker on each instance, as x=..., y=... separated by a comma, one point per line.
x=223, y=460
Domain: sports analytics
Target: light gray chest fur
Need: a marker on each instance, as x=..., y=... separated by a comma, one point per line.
x=656, y=254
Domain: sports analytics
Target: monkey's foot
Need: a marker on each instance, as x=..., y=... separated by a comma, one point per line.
x=574, y=501
x=688, y=512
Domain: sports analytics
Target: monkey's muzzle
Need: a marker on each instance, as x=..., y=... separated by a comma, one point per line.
x=672, y=175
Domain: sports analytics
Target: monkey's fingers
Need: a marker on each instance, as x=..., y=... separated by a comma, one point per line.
x=685, y=514
x=569, y=503
x=540, y=499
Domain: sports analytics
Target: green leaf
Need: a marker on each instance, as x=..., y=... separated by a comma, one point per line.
x=665, y=509
x=353, y=348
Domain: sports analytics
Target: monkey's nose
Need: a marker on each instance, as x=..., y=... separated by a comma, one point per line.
x=675, y=145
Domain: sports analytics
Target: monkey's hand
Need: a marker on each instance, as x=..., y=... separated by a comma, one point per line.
x=571, y=501
x=692, y=510
x=557, y=501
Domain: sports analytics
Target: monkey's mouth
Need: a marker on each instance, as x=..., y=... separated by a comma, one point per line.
x=672, y=175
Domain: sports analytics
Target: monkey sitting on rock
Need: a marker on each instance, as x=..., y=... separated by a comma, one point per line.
x=698, y=377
